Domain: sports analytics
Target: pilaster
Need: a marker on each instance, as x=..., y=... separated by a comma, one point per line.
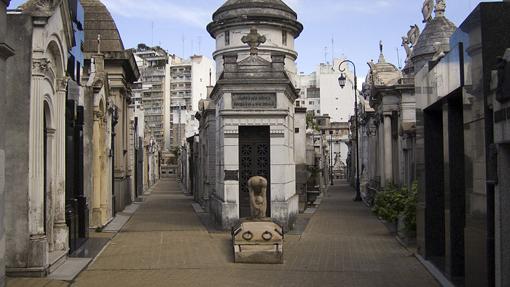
x=61, y=230
x=388, y=150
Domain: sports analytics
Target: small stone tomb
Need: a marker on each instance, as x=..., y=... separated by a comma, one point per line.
x=257, y=239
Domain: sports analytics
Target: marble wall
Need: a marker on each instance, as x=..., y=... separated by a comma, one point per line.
x=5, y=52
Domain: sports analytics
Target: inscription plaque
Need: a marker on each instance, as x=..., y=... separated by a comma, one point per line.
x=231, y=174
x=253, y=101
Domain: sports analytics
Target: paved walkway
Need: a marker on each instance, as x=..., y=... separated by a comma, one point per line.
x=165, y=244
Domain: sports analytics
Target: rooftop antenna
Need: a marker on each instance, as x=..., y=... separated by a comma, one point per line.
x=183, y=40
x=210, y=77
x=152, y=33
x=200, y=45
x=398, y=59
x=333, y=50
x=325, y=55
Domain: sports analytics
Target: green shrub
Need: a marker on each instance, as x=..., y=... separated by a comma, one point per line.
x=389, y=203
x=394, y=202
x=410, y=208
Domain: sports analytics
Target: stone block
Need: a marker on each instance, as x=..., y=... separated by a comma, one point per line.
x=259, y=242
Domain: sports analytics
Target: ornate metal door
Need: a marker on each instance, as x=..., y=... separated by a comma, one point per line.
x=254, y=160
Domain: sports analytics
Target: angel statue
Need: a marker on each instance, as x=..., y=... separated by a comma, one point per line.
x=428, y=8
x=413, y=35
x=407, y=47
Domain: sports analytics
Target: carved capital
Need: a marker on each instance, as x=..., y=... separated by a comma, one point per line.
x=62, y=84
x=40, y=66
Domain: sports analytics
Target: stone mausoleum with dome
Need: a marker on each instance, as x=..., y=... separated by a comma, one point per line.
x=250, y=113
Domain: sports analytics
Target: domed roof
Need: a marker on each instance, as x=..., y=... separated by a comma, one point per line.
x=99, y=21
x=439, y=29
x=384, y=73
x=247, y=7
x=249, y=12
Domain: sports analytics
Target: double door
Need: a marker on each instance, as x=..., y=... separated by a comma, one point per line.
x=254, y=160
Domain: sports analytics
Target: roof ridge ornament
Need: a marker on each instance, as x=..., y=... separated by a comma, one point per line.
x=253, y=39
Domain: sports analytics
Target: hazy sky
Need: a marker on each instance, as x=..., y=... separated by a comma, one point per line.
x=355, y=25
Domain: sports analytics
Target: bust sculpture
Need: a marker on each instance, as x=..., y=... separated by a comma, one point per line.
x=257, y=186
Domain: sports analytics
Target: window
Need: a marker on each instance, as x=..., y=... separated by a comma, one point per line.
x=298, y=103
x=296, y=130
x=310, y=102
x=284, y=37
x=227, y=37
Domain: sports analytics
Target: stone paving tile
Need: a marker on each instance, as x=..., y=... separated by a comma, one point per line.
x=164, y=244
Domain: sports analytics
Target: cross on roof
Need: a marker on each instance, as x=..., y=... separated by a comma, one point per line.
x=253, y=39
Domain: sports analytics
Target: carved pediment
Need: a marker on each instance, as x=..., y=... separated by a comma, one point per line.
x=254, y=60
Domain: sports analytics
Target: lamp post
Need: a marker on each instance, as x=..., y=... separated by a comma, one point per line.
x=331, y=156
x=341, y=81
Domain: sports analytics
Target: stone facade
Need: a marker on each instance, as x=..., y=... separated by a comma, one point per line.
x=462, y=212
x=5, y=52
x=254, y=77
x=36, y=229
x=110, y=71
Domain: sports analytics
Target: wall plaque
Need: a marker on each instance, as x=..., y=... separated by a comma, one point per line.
x=254, y=101
x=231, y=175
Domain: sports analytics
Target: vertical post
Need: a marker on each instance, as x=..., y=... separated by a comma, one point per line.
x=331, y=156
x=358, y=193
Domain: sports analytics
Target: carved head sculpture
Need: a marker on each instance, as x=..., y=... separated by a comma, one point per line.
x=257, y=186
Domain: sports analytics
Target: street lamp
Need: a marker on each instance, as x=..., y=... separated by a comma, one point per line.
x=341, y=81
x=331, y=156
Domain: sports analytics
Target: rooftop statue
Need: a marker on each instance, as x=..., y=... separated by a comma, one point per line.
x=440, y=7
x=428, y=7
x=409, y=41
x=253, y=39
x=413, y=35
x=407, y=46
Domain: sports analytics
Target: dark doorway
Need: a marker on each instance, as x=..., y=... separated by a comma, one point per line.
x=455, y=205
x=254, y=160
x=76, y=202
x=434, y=185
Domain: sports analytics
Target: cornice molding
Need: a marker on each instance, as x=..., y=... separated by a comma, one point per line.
x=5, y=50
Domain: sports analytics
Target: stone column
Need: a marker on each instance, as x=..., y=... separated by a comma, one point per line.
x=5, y=52
x=96, y=181
x=388, y=156
x=61, y=229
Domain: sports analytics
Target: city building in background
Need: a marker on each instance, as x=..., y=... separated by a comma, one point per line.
x=189, y=79
x=153, y=88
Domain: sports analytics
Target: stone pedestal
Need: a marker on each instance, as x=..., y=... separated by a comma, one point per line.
x=259, y=242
